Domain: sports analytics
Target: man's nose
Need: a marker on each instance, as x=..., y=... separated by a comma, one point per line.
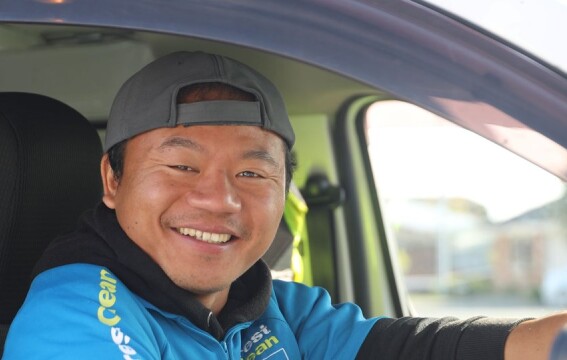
x=215, y=192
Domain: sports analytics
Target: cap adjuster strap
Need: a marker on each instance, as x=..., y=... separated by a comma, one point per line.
x=220, y=112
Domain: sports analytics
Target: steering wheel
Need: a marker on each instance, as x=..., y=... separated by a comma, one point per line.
x=559, y=350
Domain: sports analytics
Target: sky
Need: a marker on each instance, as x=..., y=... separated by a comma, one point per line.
x=538, y=26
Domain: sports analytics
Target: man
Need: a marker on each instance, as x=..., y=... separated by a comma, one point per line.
x=195, y=176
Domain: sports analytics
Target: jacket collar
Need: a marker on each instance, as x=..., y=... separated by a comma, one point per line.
x=100, y=240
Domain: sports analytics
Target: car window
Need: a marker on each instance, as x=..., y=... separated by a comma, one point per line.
x=477, y=229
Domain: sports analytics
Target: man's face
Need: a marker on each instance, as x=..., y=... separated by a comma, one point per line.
x=203, y=201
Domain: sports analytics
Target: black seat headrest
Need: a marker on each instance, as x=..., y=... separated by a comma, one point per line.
x=49, y=163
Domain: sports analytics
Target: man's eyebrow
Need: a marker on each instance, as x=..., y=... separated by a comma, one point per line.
x=178, y=141
x=261, y=155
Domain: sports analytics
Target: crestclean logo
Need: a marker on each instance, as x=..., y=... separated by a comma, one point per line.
x=258, y=344
x=107, y=298
x=107, y=315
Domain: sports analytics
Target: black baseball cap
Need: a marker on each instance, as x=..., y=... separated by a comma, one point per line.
x=148, y=100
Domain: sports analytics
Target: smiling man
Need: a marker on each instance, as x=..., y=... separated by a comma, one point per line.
x=195, y=175
x=202, y=201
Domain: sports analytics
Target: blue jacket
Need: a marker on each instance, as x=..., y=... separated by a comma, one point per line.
x=83, y=311
x=97, y=295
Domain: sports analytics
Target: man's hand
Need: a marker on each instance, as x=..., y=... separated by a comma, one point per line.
x=532, y=339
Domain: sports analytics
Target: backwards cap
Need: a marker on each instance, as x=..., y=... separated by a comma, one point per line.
x=148, y=100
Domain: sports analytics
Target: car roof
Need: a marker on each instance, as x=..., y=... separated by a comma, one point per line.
x=322, y=52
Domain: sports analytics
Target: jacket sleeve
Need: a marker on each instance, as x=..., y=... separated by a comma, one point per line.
x=80, y=312
x=322, y=330
x=448, y=338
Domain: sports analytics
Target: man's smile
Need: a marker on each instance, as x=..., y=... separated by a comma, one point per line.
x=209, y=237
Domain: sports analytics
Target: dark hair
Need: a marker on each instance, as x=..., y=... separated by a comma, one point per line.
x=196, y=93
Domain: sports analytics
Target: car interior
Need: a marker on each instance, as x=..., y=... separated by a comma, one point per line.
x=60, y=77
x=58, y=82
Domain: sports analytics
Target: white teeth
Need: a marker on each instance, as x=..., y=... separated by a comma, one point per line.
x=205, y=236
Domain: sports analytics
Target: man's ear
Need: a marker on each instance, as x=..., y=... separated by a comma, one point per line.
x=109, y=182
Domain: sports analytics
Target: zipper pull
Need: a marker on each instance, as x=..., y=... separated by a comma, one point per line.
x=225, y=348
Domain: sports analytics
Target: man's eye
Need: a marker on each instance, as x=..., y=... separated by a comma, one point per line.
x=181, y=167
x=249, y=174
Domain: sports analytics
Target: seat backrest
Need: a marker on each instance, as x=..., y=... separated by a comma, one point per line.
x=49, y=164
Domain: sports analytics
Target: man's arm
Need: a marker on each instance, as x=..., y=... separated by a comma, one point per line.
x=532, y=339
x=412, y=338
x=80, y=311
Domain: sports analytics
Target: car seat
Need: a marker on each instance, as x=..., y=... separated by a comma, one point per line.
x=49, y=159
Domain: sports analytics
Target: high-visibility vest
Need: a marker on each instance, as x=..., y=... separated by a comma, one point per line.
x=295, y=213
